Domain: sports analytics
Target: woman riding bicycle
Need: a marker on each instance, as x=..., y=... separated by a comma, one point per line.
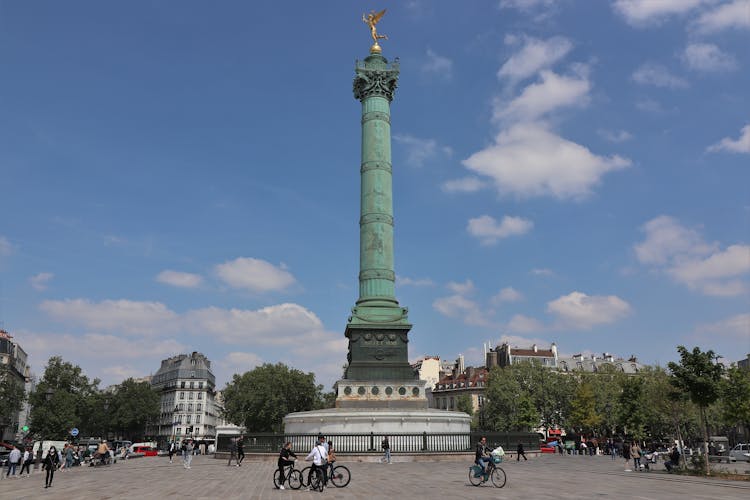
x=482, y=457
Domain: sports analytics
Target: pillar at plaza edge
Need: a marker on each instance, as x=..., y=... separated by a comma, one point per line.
x=379, y=392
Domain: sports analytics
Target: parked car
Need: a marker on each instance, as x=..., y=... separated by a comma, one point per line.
x=741, y=452
x=546, y=448
x=146, y=451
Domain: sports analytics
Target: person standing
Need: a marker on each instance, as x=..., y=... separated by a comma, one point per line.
x=284, y=460
x=68, y=456
x=635, y=452
x=13, y=460
x=319, y=457
x=386, y=450
x=520, y=453
x=50, y=463
x=240, y=451
x=26, y=462
x=233, y=452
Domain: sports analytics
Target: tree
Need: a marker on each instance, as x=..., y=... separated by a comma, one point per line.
x=632, y=415
x=60, y=400
x=12, y=395
x=583, y=413
x=508, y=405
x=698, y=375
x=465, y=404
x=735, y=397
x=134, y=405
x=260, y=398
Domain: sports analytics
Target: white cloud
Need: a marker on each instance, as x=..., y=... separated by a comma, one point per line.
x=5, y=247
x=236, y=362
x=526, y=5
x=464, y=288
x=708, y=57
x=405, y=281
x=729, y=15
x=438, y=65
x=488, y=230
x=615, y=136
x=533, y=56
x=523, y=324
x=658, y=76
x=666, y=238
x=507, y=294
x=457, y=306
x=538, y=99
x=464, y=185
x=127, y=316
x=529, y=160
x=255, y=275
x=649, y=106
x=41, y=281
x=578, y=310
x=683, y=254
x=179, y=279
x=741, y=145
x=648, y=12
x=734, y=326
x=542, y=272
x=421, y=150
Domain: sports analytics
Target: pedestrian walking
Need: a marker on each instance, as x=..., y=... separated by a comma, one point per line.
x=386, y=450
x=171, y=448
x=188, y=454
x=233, y=452
x=240, y=451
x=13, y=460
x=50, y=463
x=520, y=453
x=26, y=461
x=635, y=453
x=68, y=456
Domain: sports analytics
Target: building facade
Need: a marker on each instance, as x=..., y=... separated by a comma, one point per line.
x=470, y=381
x=13, y=366
x=188, y=398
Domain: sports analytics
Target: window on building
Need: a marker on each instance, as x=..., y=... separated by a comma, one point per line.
x=198, y=407
x=197, y=419
x=190, y=395
x=179, y=431
x=182, y=384
x=451, y=406
x=192, y=374
x=200, y=395
x=200, y=385
x=182, y=395
x=181, y=406
x=191, y=384
x=187, y=419
x=190, y=407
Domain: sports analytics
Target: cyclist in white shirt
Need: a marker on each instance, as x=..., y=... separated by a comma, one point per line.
x=319, y=457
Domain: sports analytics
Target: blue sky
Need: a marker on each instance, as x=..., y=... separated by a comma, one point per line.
x=182, y=176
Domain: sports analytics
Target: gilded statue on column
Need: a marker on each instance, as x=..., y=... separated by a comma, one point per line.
x=372, y=20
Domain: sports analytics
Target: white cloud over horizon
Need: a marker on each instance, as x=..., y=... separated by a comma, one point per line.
x=707, y=57
x=578, y=310
x=683, y=254
x=730, y=15
x=487, y=229
x=419, y=151
x=179, y=279
x=40, y=281
x=534, y=55
x=640, y=13
x=739, y=145
x=256, y=275
x=657, y=75
x=436, y=64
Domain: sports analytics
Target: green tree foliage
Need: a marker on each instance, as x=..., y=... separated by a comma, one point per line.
x=260, y=398
x=631, y=407
x=132, y=407
x=464, y=404
x=699, y=376
x=68, y=390
x=12, y=395
x=508, y=406
x=735, y=397
x=584, y=415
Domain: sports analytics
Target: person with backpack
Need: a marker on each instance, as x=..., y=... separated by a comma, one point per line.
x=386, y=450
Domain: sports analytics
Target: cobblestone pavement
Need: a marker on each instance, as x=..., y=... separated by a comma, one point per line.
x=547, y=476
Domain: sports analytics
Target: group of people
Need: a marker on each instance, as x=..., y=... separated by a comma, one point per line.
x=186, y=449
x=51, y=462
x=322, y=455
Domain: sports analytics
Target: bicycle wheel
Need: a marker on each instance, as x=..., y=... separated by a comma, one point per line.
x=498, y=477
x=295, y=481
x=341, y=476
x=304, y=476
x=316, y=480
x=473, y=478
x=276, y=478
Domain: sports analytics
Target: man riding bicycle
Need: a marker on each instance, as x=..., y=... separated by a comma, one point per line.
x=319, y=456
x=482, y=454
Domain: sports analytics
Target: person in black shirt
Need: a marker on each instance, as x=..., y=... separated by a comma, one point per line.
x=482, y=458
x=284, y=460
x=520, y=453
x=240, y=451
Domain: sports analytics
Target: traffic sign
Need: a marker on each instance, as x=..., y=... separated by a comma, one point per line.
x=74, y=431
x=25, y=428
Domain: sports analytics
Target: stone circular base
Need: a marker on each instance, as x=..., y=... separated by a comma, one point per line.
x=378, y=421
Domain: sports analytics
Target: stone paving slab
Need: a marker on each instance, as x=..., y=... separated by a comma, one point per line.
x=565, y=477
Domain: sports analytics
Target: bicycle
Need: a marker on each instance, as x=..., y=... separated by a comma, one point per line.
x=340, y=476
x=317, y=479
x=292, y=475
x=494, y=472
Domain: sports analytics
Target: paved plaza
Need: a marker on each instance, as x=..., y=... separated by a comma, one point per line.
x=545, y=477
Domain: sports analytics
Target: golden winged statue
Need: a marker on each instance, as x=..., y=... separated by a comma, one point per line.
x=371, y=20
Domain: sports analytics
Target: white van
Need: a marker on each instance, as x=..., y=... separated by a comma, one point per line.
x=741, y=452
x=59, y=445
